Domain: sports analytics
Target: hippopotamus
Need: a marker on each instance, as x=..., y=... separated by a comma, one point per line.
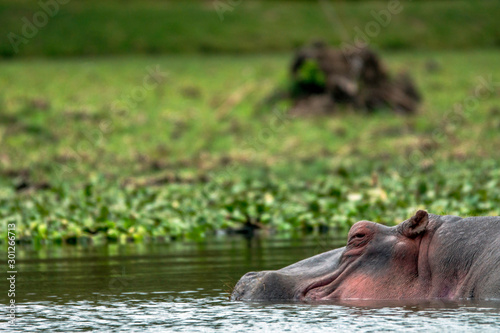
x=425, y=257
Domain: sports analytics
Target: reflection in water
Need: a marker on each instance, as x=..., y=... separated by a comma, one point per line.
x=185, y=287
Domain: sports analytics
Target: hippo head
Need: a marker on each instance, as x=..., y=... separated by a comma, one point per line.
x=375, y=260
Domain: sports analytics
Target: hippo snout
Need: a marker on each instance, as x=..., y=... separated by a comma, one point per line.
x=288, y=283
x=265, y=286
x=246, y=286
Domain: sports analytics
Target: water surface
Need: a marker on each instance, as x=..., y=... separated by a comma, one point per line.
x=185, y=288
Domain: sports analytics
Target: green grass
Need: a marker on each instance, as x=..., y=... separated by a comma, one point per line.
x=200, y=152
x=90, y=27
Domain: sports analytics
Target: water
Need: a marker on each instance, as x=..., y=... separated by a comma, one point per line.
x=186, y=287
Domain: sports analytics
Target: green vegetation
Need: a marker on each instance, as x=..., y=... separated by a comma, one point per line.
x=106, y=149
x=91, y=27
x=309, y=79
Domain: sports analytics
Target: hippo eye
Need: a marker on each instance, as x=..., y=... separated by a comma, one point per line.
x=357, y=237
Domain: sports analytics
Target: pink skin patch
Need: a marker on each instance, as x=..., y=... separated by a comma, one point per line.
x=349, y=281
x=359, y=286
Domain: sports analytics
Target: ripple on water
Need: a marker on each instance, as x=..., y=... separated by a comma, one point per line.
x=182, y=288
x=188, y=313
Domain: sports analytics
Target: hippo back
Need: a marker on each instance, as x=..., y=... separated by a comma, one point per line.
x=464, y=256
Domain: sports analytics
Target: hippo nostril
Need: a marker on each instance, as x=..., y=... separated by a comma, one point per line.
x=245, y=285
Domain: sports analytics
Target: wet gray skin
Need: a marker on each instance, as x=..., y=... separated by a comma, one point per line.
x=287, y=283
x=425, y=257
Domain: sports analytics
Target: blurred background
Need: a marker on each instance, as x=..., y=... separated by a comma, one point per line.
x=144, y=121
x=152, y=152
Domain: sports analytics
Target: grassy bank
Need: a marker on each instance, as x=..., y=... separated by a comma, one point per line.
x=152, y=27
x=111, y=149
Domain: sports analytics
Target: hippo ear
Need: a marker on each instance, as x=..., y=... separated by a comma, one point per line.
x=414, y=226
